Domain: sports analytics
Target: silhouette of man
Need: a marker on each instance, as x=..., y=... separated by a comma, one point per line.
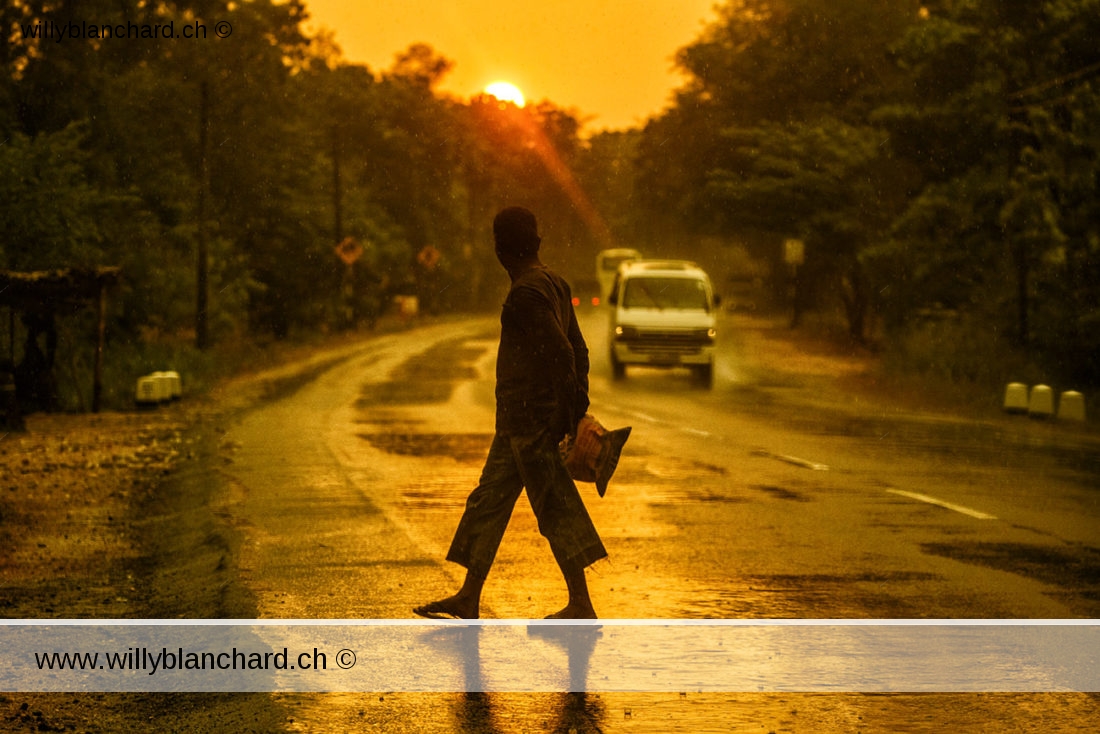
x=541, y=393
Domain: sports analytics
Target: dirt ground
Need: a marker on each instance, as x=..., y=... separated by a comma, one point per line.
x=116, y=515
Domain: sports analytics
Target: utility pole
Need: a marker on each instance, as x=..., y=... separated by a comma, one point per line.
x=201, y=286
x=337, y=204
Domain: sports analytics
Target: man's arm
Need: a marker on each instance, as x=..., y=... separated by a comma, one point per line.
x=581, y=366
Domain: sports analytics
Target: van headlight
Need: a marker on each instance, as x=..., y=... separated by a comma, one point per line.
x=625, y=333
x=707, y=336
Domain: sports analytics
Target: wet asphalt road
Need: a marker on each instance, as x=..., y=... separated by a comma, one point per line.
x=769, y=496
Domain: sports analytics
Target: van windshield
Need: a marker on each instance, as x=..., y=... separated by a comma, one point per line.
x=661, y=293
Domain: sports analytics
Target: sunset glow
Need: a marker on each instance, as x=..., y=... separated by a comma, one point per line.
x=506, y=92
x=612, y=61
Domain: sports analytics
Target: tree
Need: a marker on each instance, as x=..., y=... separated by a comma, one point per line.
x=607, y=170
x=815, y=182
x=999, y=124
x=50, y=214
x=771, y=133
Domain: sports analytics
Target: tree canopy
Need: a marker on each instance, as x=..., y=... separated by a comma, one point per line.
x=937, y=155
x=263, y=150
x=932, y=156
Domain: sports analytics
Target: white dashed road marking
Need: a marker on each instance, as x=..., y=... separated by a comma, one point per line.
x=941, y=503
x=804, y=463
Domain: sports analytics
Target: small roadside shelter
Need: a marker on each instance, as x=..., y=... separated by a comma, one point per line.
x=41, y=295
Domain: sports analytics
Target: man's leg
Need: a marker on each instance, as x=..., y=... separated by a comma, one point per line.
x=474, y=547
x=563, y=520
x=466, y=604
x=579, y=605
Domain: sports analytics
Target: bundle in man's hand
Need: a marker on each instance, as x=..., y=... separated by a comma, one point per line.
x=592, y=453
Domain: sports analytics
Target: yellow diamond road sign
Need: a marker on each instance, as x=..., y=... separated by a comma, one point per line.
x=349, y=250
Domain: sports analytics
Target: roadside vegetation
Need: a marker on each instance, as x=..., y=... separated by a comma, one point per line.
x=939, y=161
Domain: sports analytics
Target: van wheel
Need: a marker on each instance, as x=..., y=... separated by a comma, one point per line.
x=618, y=369
x=704, y=375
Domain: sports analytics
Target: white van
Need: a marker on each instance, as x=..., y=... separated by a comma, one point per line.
x=663, y=314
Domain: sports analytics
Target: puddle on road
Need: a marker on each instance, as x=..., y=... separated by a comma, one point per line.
x=678, y=498
x=670, y=481
x=671, y=468
x=958, y=441
x=1073, y=569
x=781, y=493
x=465, y=448
x=689, y=483
x=420, y=380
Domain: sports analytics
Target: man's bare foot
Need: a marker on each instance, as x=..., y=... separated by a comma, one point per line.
x=575, y=611
x=453, y=607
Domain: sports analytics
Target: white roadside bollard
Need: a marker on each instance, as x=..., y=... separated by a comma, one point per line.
x=1016, y=398
x=175, y=385
x=1041, y=403
x=145, y=392
x=1071, y=406
x=164, y=386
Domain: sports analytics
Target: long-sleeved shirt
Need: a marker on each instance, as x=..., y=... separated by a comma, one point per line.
x=542, y=361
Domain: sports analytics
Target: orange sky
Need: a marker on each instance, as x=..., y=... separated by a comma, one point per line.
x=610, y=60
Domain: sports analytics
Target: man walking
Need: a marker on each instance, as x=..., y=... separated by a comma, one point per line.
x=541, y=394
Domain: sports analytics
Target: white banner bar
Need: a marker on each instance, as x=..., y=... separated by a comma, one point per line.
x=542, y=656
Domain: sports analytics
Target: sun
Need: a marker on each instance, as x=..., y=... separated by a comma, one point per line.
x=506, y=92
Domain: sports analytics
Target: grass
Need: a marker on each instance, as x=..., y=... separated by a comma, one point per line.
x=970, y=364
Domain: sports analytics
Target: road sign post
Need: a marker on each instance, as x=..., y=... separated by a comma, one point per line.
x=794, y=254
x=349, y=251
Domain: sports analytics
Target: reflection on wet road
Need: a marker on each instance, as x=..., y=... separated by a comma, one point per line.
x=348, y=491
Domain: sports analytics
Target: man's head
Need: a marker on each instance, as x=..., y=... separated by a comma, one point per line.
x=516, y=234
